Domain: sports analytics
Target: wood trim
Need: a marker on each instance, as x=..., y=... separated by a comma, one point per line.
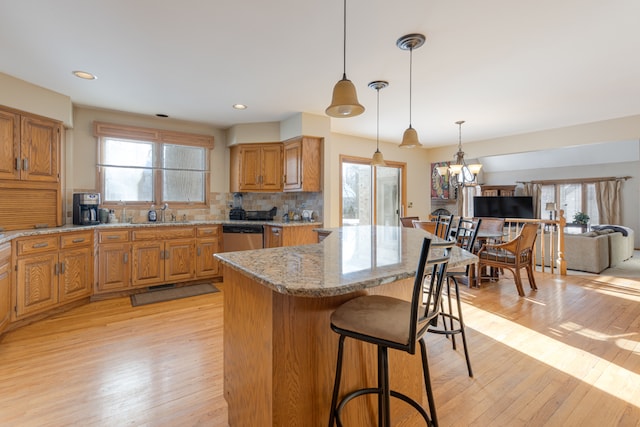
x=101, y=129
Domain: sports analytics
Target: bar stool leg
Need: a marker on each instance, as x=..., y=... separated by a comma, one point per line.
x=336, y=384
x=427, y=384
x=384, y=398
x=461, y=322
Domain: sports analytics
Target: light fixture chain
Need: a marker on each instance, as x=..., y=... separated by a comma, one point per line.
x=344, y=41
x=378, y=119
x=410, y=83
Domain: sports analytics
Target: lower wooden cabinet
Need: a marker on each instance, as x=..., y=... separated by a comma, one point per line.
x=114, y=261
x=163, y=256
x=52, y=270
x=208, y=243
x=5, y=285
x=294, y=235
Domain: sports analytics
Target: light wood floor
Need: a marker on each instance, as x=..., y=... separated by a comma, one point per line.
x=567, y=355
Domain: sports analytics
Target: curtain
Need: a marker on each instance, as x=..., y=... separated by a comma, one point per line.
x=608, y=201
x=534, y=190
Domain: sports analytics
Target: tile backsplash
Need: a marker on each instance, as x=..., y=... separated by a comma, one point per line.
x=221, y=203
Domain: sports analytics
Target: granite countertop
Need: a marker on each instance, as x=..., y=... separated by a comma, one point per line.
x=349, y=259
x=7, y=236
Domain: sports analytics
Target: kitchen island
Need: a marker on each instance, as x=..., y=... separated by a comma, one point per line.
x=279, y=350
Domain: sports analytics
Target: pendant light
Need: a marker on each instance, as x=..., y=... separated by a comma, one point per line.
x=345, y=100
x=377, y=159
x=410, y=42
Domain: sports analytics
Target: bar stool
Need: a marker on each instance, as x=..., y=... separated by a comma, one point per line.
x=397, y=324
x=465, y=236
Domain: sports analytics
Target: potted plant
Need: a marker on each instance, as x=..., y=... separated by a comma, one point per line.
x=581, y=218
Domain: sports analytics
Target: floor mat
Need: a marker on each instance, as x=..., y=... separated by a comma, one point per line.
x=160, y=295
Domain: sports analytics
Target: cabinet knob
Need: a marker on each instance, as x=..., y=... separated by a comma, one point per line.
x=17, y=164
x=25, y=164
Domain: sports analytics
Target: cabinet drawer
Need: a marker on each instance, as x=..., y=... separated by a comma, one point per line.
x=164, y=234
x=37, y=245
x=213, y=231
x=73, y=240
x=113, y=236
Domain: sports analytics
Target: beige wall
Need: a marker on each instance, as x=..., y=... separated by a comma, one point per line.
x=18, y=94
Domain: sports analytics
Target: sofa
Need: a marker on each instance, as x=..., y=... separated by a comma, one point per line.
x=593, y=251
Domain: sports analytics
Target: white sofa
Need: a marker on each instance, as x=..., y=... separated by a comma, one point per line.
x=622, y=246
x=593, y=251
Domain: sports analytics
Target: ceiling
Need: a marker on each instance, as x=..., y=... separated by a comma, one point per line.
x=504, y=66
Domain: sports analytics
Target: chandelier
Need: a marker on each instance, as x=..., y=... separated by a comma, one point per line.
x=460, y=170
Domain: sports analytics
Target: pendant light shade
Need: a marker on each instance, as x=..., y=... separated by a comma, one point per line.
x=377, y=159
x=410, y=42
x=344, y=102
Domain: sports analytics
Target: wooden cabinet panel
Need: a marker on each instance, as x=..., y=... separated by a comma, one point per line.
x=113, y=236
x=5, y=285
x=40, y=145
x=179, y=260
x=114, y=267
x=37, y=283
x=9, y=145
x=147, y=266
x=34, y=245
x=256, y=167
x=76, y=274
x=208, y=243
x=272, y=236
x=303, y=164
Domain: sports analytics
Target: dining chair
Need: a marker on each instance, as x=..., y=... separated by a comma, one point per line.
x=513, y=255
x=428, y=226
x=465, y=238
x=392, y=323
x=407, y=221
x=443, y=226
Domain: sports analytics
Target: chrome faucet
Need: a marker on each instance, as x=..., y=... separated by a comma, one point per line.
x=162, y=211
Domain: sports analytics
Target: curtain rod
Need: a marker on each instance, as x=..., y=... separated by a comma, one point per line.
x=576, y=180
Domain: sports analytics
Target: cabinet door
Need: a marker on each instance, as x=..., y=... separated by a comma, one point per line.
x=179, y=260
x=292, y=163
x=272, y=236
x=39, y=149
x=114, y=268
x=9, y=145
x=37, y=283
x=5, y=285
x=76, y=274
x=148, y=263
x=271, y=176
x=206, y=264
x=250, y=168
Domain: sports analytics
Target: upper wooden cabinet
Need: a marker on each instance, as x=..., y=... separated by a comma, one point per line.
x=303, y=164
x=498, y=190
x=29, y=147
x=256, y=167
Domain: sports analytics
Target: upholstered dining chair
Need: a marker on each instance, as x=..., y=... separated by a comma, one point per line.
x=513, y=255
x=407, y=221
x=428, y=226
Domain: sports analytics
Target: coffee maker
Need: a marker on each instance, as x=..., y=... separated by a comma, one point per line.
x=85, y=208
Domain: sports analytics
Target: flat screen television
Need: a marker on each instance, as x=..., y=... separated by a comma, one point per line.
x=503, y=207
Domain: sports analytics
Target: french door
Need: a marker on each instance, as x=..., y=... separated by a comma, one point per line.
x=371, y=195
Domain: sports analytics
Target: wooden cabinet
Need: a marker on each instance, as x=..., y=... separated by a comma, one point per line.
x=162, y=256
x=114, y=267
x=256, y=167
x=5, y=285
x=302, y=164
x=208, y=243
x=498, y=190
x=294, y=235
x=30, y=147
x=51, y=270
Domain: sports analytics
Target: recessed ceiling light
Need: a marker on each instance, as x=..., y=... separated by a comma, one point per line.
x=239, y=106
x=84, y=75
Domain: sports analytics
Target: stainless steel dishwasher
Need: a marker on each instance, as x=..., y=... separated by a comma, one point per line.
x=242, y=237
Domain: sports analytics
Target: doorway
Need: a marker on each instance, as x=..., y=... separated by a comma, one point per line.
x=371, y=195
